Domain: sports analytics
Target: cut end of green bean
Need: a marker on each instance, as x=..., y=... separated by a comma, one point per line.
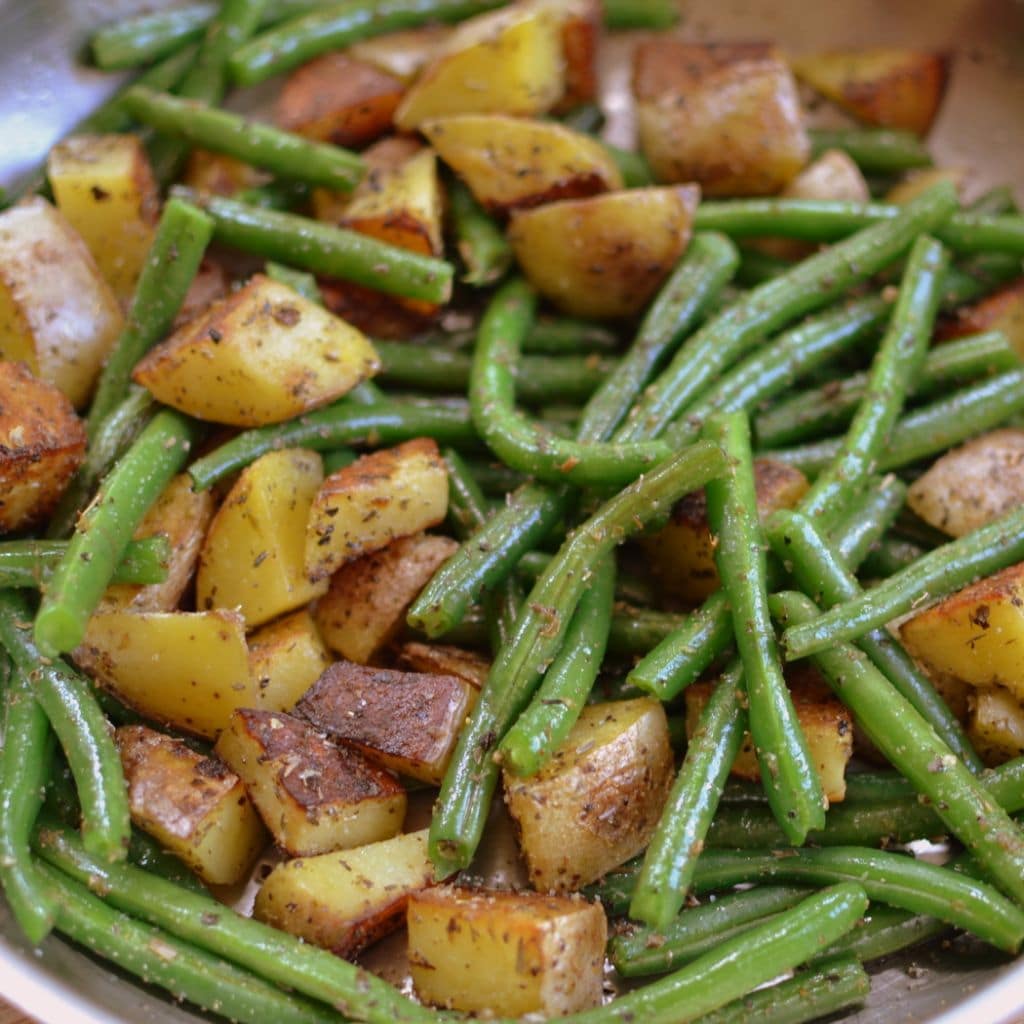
x=58, y=629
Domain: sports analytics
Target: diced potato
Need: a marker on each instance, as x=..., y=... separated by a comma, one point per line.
x=406, y=721
x=186, y=669
x=336, y=98
x=402, y=54
x=378, y=498
x=42, y=444
x=182, y=515
x=506, y=953
x=581, y=36
x=313, y=795
x=681, y=553
x=597, y=801
x=254, y=554
x=57, y=312
x=194, y=806
x=514, y=163
x=826, y=723
x=209, y=285
x=889, y=88
x=604, y=256
x=996, y=725
x=344, y=901
x=262, y=355
x=974, y=635
x=1003, y=310
x=445, y=660
x=105, y=187
x=365, y=605
x=506, y=62
x=724, y=115
x=971, y=485
x=921, y=181
x=219, y=174
x=286, y=657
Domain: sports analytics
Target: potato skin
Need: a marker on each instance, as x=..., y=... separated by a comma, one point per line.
x=446, y=660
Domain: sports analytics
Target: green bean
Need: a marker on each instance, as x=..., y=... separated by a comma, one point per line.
x=181, y=969
x=636, y=631
x=974, y=278
x=869, y=515
x=647, y=950
x=25, y=756
x=298, y=280
x=821, y=574
x=886, y=930
x=928, y=430
x=587, y=118
x=635, y=170
x=831, y=406
x=541, y=729
x=940, y=572
x=326, y=249
x=208, y=924
x=81, y=729
x=739, y=964
x=174, y=257
x=620, y=14
x=995, y=202
x=28, y=563
x=337, y=26
x=482, y=246
x=890, y=555
x=770, y=306
x=874, y=151
x=105, y=529
x=807, y=996
x=789, y=776
x=913, y=747
x=539, y=633
x=671, y=857
x=756, y=267
x=896, y=363
x=275, y=195
x=280, y=152
x=555, y=336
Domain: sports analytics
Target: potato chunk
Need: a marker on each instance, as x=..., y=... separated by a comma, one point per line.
x=445, y=660
x=220, y=174
x=193, y=805
x=402, y=54
x=344, y=901
x=597, y=801
x=262, y=355
x=365, y=506
x=506, y=62
x=314, y=796
x=286, y=657
x=254, y=554
x=42, y=444
x=506, y=953
x=1003, y=310
x=724, y=115
x=105, y=187
x=889, y=88
x=973, y=484
x=604, y=256
x=406, y=721
x=364, y=607
x=186, y=669
x=681, y=553
x=512, y=163
x=57, y=313
x=996, y=725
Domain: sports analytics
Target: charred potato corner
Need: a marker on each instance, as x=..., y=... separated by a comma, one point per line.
x=404, y=481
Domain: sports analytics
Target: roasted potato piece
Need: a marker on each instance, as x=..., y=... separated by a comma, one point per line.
x=401, y=54
x=597, y=801
x=724, y=115
x=336, y=98
x=57, y=313
x=209, y=285
x=262, y=355
x=186, y=669
x=920, y=181
x=219, y=174
x=378, y=498
x=513, y=163
x=996, y=725
x=445, y=660
x=286, y=657
x=507, y=953
x=975, y=634
x=344, y=901
x=1003, y=310
x=253, y=558
x=105, y=187
x=581, y=34
x=826, y=723
x=364, y=607
x=406, y=721
x=604, y=256
x=194, y=806
x=889, y=88
x=182, y=515
x=42, y=444
x=681, y=553
x=313, y=795
x=509, y=61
